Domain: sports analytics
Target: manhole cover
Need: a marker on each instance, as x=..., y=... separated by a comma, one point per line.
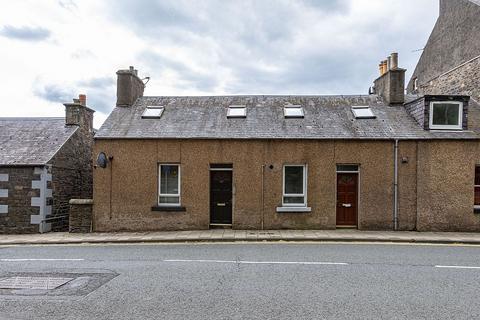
x=35, y=283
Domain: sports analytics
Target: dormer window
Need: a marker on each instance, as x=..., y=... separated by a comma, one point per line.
x=293, y=111
x=446, y=115
x=415, y=84
x=153, y=112
x=237, y=111
x=363, y=112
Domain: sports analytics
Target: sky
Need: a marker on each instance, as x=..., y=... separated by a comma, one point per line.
x=53, y=50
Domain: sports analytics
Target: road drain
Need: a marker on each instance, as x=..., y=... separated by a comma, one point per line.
x=33, y=283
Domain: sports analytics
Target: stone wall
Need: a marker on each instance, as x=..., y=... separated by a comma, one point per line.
x=17, y=216
x=71, y=176
x=463, y=80
x=453, y=41
x=80, y=215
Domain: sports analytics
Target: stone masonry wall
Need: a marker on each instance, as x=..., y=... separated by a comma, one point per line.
x=463, y=80
x=18, y=183
x=453, y=41
x=71, y=176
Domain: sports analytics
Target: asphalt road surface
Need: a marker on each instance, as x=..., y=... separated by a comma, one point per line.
x=244, y=281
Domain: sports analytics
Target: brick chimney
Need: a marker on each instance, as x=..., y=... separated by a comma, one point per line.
x=129, y=87
x=78, y=114
x=391, y=83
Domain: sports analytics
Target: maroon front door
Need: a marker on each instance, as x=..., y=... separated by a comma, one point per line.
x=347, y=199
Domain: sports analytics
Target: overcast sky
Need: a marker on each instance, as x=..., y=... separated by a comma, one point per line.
x=51, y=50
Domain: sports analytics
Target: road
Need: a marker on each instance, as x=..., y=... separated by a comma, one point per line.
x=246, y=281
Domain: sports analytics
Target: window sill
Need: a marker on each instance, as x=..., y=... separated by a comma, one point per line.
x=294, y=209
x=169, y=208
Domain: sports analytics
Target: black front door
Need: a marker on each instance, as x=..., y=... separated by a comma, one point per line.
x=221, y=197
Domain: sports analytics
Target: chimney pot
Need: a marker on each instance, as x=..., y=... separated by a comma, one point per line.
x=389, y=63
x=83, y=99
x=394, y=61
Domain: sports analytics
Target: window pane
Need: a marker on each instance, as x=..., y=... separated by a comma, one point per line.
x=294, y=200
x=169, y=200
x=293, y=180
x=477, y=176
x=446, y=114
x=169, y=179
x=477, y=196
x=347, y=167
x=153, y=112
x=237, y=112
x=293, y=112
x=363, y=112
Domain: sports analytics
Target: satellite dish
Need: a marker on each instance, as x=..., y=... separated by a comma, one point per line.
x=102, y=160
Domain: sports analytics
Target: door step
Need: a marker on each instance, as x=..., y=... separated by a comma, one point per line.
x=347, y=227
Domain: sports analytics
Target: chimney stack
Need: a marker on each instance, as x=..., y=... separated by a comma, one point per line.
x=78, y=114
x=391, y=83
x=129, y=87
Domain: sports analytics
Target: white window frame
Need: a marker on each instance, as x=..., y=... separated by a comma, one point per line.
x=231, y=108
x=475, y=186
x=169, y=194
x=291, y=107
x=160, y=109
x=304, y=194
x=459, y=126
x=357, y=115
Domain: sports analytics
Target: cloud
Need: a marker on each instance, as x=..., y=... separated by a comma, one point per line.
x=97, y=83
x=68, y=4
x=25, y=33
x=308, y=46
x=100, y=92
x=54, y=92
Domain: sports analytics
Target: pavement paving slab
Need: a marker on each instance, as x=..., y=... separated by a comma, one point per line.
x=228, y=235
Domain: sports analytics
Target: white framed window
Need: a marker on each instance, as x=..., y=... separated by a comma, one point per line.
x=153, y=112
x=415, y=84
x=237, y=111
x=293, y=111
x=169, y=184
x=363, y=112
x=294, y=186
x=446, y=115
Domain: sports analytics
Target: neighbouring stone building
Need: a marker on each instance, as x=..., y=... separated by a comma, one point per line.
x=374, y=162
x=44, y=162
x=450, y=63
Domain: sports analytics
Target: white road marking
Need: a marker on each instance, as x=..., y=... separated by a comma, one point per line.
x=260, y=262
x=457, y=267
x=14, y=260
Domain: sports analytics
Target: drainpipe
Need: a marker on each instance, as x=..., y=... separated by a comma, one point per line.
x=263, y=196
x=395, y=187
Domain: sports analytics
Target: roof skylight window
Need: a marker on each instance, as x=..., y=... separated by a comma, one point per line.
x=237, y=111
x=153, y=112
x=363, y=112
x=293, y=111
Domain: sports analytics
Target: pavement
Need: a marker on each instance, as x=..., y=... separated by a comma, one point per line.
x=255, y=280
x=228, y=235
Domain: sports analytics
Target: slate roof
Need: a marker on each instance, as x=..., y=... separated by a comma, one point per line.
x=32, y=141
x=326, y=117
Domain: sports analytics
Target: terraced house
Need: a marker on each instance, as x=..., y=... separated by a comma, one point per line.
x=44, y=162
x=381, y=161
